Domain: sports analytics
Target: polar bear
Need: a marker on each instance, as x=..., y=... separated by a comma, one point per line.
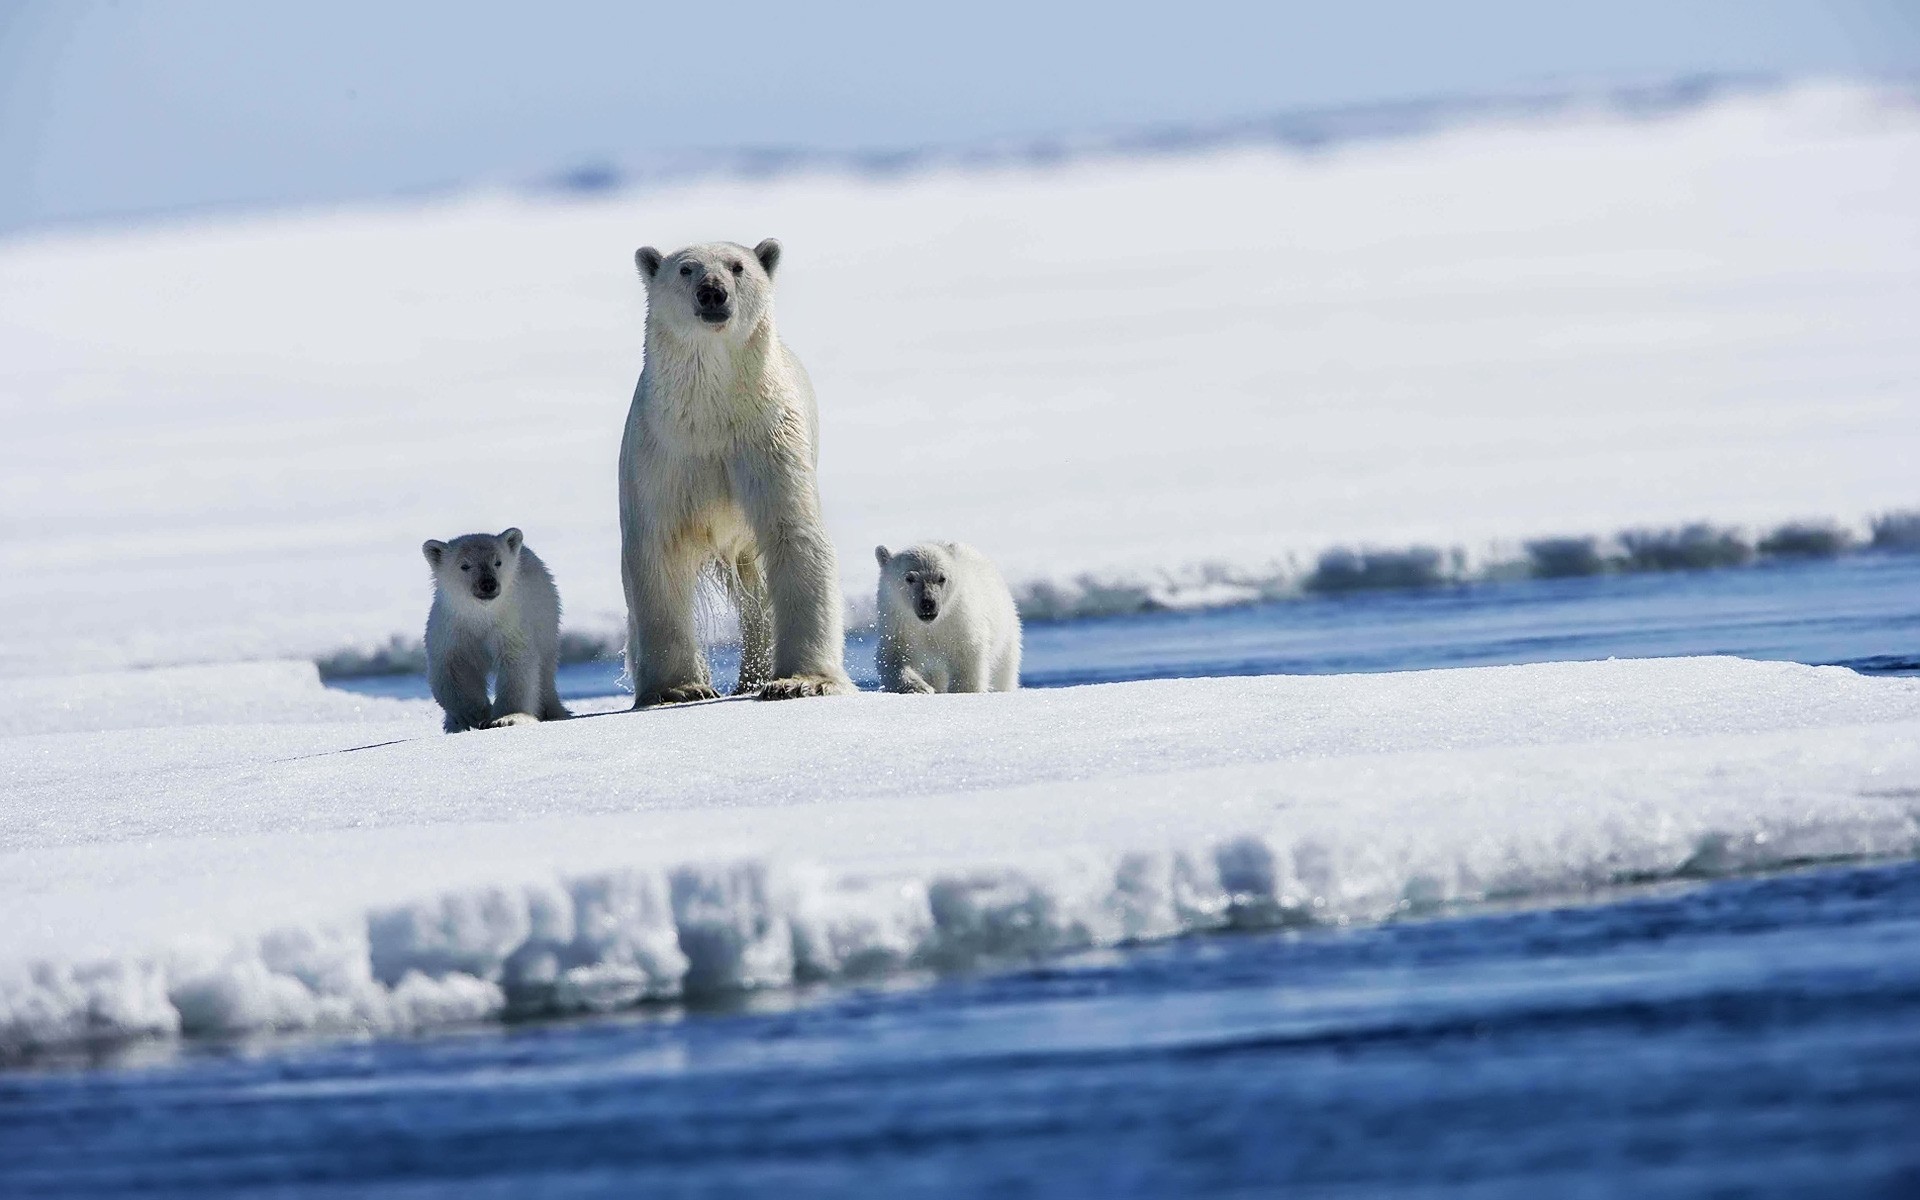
x=718, y=467
x=947, y=621
x=495, y=611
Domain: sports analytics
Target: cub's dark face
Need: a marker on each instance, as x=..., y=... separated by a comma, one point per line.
x=927, y=590
x=717, y=288
x=480, y=569
x=478, y=565
x=917, y=580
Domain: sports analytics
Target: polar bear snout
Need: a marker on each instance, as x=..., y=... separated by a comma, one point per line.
x=487, y=586
x=712, y=301
x=925, y=587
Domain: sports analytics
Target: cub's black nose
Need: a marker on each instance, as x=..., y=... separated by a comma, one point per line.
x=487, y=587
x=927, y=610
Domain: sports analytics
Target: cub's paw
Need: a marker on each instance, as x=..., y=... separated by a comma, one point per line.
x=512, y=719
x=794, y=687
x=685, y=693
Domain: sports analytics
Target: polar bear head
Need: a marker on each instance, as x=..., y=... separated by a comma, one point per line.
x=716, y=289
x=915, y=579
x=477, y=566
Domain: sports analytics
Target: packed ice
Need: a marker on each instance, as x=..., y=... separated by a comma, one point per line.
x=217, y=874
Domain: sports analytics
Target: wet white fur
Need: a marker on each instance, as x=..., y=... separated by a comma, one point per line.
x=974, y=643
x=718, y=465
x=515, y=636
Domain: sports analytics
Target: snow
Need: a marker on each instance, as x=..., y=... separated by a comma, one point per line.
x=226, y=439
x=278, y=863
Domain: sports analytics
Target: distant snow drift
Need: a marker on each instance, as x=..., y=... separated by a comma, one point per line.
x=243, y=850
x=1175, y=376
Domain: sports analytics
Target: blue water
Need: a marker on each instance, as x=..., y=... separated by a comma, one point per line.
x=1747, y=1038
x=1740, y=1038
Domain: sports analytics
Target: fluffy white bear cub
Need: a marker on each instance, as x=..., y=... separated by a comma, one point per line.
x=947, y=621
x=495, y=612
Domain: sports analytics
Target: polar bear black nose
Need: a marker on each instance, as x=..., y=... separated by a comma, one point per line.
x=710, y=295
x=486, y=587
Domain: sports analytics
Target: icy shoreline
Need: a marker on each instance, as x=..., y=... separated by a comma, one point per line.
x=218, y=878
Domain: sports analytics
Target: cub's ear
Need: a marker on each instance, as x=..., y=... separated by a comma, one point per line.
x=513, y=538
x=648, y=260
x=881, y=554
x=768, y=252
x=433, y=550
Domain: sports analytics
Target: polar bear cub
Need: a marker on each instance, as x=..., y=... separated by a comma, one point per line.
x=495, y=612
x=947, y=621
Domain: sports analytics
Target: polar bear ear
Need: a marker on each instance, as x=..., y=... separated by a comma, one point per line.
x=768, y=252
x=648, y=260
x=881, y=554
x=513, y=538
x=433, y=550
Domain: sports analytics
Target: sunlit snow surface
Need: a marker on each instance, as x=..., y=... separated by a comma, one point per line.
x=216, y=850
x=227, y=439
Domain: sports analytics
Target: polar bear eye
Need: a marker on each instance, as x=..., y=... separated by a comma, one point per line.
x=737, y=268
x=466, y=566
x=688, y=270
x=913, y=577
x=937, y=579
x=496, y=562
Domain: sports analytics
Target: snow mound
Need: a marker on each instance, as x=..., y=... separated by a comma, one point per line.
x=624, y=858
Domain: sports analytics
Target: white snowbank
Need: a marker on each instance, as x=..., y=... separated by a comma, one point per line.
x=226, y=440
x=226, y=877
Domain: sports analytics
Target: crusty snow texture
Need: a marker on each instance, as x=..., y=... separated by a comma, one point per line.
x=232, y=850
x=226, y=439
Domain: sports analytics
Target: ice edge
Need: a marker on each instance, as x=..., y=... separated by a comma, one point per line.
x=613, y=940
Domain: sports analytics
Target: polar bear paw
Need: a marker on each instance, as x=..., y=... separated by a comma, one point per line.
x=512, y=719
x=794, y=687
x=685, y=693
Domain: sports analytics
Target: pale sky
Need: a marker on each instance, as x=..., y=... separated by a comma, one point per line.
x=116, y=109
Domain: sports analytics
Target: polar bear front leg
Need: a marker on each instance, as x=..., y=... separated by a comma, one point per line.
x=516, y=693
x=896, y=673
x=663, y=645
x=457, y=677
x=906, y=679
x=809, y=642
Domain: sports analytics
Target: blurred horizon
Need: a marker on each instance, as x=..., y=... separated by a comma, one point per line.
x=112, y=112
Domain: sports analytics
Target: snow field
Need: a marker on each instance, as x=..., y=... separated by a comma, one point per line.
x=227, y=438
x=255, y=877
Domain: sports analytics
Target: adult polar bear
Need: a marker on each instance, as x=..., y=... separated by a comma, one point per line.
x=719, y=465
